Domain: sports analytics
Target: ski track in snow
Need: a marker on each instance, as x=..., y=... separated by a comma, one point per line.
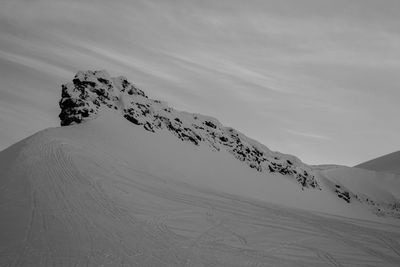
x=87, y=211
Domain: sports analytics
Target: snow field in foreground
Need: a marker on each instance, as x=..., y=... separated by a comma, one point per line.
x=92, y=195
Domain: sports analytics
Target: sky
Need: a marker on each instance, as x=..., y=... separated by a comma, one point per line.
x=318, y=79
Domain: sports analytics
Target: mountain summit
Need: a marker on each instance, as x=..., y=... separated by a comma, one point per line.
x=91, y=91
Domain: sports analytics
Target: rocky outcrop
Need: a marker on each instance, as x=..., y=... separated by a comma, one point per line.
x=90, y=91
x=82, y=98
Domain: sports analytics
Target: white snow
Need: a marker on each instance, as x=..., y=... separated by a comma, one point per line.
x=109, y=193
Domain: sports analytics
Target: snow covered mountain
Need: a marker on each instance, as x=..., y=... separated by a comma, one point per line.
x=388, y=163
x=129, y=181
x=92, y=90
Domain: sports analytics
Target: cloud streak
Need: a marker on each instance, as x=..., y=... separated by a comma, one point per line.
x=309, y=135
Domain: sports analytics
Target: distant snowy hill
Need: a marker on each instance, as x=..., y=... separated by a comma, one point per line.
x=129, y=181
x=387, y=163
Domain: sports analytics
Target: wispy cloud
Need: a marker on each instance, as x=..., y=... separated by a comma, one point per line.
x=34, y=63
x=308, y=135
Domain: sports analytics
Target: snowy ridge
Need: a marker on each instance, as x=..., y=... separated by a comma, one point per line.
x=90, y=91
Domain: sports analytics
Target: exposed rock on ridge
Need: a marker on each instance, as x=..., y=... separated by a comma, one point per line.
x=90, y=91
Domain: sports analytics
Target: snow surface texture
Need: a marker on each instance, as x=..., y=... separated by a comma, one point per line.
x=91, y=90
x=388, y=163
x=108, y=193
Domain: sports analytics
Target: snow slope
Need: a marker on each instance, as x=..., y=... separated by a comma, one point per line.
x=388, y=163
x=108, y=193
x=132, y=182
